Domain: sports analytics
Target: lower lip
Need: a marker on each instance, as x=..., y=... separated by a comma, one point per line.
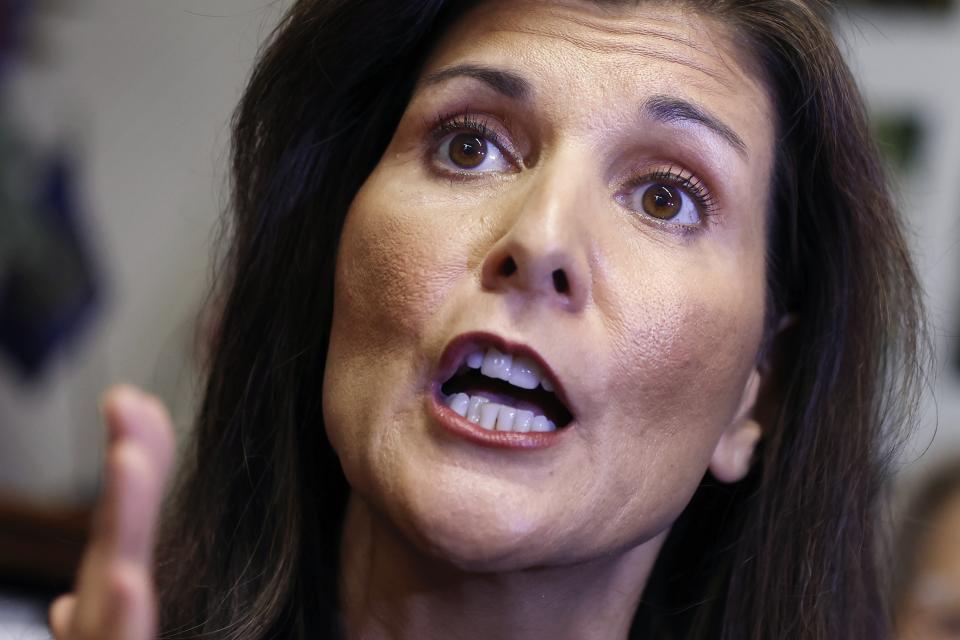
x=454, y=423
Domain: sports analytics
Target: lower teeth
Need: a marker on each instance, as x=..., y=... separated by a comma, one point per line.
x=492, y=416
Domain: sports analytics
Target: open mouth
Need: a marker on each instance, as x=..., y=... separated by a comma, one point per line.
x=504, y=389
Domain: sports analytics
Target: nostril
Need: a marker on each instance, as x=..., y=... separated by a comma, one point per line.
x=508, y=267
x=560, y=281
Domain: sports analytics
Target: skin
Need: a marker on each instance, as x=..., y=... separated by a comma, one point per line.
x=114, y=597
x=445, y=538
x=932, y=607
x=444, y=534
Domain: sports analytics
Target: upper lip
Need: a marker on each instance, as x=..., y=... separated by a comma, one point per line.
x=462, y=345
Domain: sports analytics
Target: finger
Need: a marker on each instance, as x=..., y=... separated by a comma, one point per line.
x=61, y=613
x=132, y=614
x=138, y=492
x=135, y=416
x=138, y=464
x=114, y=583
x=127, y=607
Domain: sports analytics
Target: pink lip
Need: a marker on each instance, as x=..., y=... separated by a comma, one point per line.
x=453, y=356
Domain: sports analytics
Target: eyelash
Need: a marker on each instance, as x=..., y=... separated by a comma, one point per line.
x=458, y=122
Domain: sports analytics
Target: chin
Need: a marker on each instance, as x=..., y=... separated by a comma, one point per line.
x=489, y=550
x=479, y=530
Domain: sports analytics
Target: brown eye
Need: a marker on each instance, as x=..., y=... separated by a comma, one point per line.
x=467, y=151
x=662, y=202
x=670, y=198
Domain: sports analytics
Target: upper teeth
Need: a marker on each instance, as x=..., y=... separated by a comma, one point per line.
x=519, y=371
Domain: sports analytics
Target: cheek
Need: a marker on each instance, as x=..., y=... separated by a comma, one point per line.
x=685, y=324
x=684, y=340
x=694, y=343
x=396, y=263
x=392, y=270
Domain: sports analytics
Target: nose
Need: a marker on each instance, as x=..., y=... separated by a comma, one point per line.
x=544, y=252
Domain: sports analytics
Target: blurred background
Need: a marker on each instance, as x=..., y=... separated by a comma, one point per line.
x=113, y=143
x=113, y=147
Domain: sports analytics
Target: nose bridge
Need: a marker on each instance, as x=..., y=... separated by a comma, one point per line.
x=555, y=196
x=544, y=251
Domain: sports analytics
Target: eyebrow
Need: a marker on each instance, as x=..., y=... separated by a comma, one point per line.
x=505, y=82
x=671, y=110
x=662, y=108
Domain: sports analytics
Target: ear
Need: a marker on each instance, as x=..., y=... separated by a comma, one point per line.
x=731, y=457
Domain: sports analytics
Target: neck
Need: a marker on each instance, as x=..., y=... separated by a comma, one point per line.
x=390, y=590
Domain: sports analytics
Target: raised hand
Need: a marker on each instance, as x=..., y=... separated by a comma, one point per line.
x=114, y=596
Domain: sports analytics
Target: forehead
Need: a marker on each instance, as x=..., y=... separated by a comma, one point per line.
x=597, y=61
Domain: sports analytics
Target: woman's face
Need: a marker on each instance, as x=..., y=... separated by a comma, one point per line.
x=587, y=186
x=931, y=610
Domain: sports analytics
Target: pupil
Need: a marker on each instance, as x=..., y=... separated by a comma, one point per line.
x=468, y=150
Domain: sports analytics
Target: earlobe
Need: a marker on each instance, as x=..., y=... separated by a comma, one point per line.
x=734, y=451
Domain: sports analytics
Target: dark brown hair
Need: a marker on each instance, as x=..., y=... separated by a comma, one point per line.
x=250, y=546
